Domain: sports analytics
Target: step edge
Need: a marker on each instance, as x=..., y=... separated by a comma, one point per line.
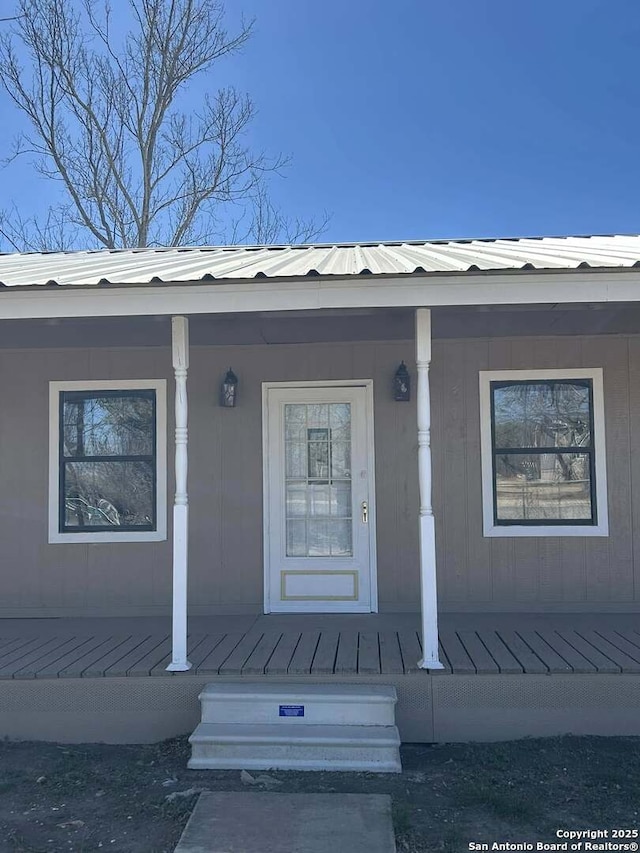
x=301, y=738
x=331, y=765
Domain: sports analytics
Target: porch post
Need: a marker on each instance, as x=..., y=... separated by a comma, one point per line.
x=180, y=352
x=428, y=589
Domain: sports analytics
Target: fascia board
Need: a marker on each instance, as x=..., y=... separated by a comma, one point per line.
x=311, y=294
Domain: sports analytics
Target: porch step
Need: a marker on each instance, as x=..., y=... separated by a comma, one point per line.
x=290, y=747
x=296, y=726
x=317, y=704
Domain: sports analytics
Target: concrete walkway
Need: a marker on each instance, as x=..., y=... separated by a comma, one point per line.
x=251, y=822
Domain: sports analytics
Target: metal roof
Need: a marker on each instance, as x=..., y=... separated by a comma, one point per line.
x=219, y=263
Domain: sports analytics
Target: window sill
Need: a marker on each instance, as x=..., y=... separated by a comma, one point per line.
x=56, y=537
x=548, y=530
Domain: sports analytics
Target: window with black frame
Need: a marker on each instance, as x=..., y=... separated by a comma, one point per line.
x=543, y=457
x=107, y=460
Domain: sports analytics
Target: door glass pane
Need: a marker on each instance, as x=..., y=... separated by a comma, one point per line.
x=318, y=480
x=318, y=453
x=318, y=541
x=296, y=500
x=341, y=499
x=340, y=421
x=296, y=423
x=296, y=538
x=340, y=536
x=295, y=466
x=317, y=415
x=341, y=460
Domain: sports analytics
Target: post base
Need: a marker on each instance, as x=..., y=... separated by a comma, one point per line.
x=430, y=664
x=178, y=666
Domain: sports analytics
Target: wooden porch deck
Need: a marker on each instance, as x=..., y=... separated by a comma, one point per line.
x=488, y=644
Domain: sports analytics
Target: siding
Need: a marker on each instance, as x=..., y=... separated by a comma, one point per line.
x=536, y=574
x=225, y=482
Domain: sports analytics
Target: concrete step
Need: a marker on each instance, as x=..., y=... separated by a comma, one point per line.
x=299, y=704
x=288, y=746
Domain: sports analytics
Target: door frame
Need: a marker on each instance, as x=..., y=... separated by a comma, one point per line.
x=367, y=384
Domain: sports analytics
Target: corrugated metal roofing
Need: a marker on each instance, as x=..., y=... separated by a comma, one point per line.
x=148, y=266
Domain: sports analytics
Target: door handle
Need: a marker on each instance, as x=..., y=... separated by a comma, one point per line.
x=365, y=513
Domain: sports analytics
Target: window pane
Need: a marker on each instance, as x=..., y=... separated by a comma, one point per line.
x=318, y=454
x=319, y=500
x=340, y=421
x=296, y=538
x=108, y=494
x=109, y=425
x=319, y=540
x=317, y=415
x=296, y=500
x=341, y=499
x=341, y=538
x=317, y=479
x=295, y=419
x=295, y=462
x=543, y=486
x=341, y=460
x=542, y=414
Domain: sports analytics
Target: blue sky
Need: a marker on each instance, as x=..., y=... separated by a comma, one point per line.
x=419, y=119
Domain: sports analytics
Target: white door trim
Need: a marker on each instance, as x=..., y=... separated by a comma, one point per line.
x=367, y=384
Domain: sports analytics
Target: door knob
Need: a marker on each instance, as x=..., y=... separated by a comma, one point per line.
x=365, y=512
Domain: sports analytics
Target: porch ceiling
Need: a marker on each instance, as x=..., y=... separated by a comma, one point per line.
x=318, y=326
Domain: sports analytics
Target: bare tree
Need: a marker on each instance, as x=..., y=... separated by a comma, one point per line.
x=105, y=121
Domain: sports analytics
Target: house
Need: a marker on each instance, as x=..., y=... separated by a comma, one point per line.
x=374, y=445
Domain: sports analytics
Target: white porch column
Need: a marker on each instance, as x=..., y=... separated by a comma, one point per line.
x=428, y=589
x=180, y=351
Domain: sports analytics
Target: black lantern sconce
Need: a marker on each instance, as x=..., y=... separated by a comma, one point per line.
x=402, y=384
x=229, y=390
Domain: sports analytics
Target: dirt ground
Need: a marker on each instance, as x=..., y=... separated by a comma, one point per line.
x=136, y=799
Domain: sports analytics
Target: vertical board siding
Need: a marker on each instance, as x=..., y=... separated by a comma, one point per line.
x=634, y=440
x=456, y=455
x=225, y=482
x=478, y=547
x=541, y=573
x=613, y=355
x=503, y=570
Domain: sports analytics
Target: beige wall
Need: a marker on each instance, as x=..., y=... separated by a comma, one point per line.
x=571, y=573
x=225, y=482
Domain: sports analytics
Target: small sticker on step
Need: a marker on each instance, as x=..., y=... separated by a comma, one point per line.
x=291, y=710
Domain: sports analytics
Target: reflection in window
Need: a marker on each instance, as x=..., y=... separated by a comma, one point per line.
x=107, y=460
x=543, y=458
x=318, y=480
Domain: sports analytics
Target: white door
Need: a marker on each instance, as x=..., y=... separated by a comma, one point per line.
x=318, y=501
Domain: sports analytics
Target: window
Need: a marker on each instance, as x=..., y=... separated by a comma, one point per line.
x=107, y=461
x=543, y=453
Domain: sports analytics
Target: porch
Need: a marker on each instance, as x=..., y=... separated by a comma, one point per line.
x=505, y=675
x=322, y=645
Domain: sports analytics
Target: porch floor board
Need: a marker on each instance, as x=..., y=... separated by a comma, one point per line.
x=470, y=644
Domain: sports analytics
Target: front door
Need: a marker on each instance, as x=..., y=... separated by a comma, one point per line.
x=319, y=514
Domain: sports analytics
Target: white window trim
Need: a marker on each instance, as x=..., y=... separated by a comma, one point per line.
x=157, y=535
x=599, y=444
